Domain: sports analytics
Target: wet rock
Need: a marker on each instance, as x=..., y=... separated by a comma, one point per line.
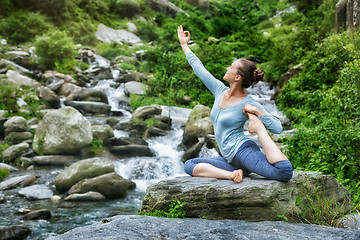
x=16, y=232
x=125, y=141
x=156, y=132
x=136, y=87
x=19, y=181
x=15, y=151
x=37, y=214
x=112, y=121
x=16, y=78
x=131, y=151
x=108, y=35
x=131, y=27
x=199, y=124
x=18, y=137
x=254, y=199
x=36, y=192
x=54, y=160
x=2, y=197
x=80, y=170
x=15, y=124
x=18, y=68
x=147, y=111
x=111, y=185
x=68, y=88
x=62, y=131
x=50, y=77
x=8, y=167
x=89, y=196
x=90, y=107
x=51, y=98
x=193, y=152
x=123, y=226
x=102, y=132
x=91, y=95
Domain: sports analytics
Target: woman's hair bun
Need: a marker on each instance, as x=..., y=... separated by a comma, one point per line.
x=258, y=75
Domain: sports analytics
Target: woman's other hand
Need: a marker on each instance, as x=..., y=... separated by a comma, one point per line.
x=184, y=36
x=248, y=108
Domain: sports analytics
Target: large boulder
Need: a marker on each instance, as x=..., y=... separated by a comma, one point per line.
x=62, y=131
x=199, y=124
x=137, y=227
x=78, y=171
x=18, y=137
x=111, y=185
x=49, y=96
x=16, y=78
x=108, y=35
x=254, y=199
x=15, y=124
x=136, y=87
x=102, y=131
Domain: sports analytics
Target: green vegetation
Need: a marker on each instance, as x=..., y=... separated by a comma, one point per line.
x=176, y=210
x=4, y=173
x=96, y=147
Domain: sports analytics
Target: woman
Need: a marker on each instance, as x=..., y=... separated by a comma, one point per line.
x=232, y=108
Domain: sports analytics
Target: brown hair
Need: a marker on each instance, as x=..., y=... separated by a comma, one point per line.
x=249, y=73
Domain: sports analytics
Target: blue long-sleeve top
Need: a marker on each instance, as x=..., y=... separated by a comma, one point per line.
x=229, y=122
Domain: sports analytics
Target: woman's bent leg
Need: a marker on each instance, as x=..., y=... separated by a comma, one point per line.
x=249, y=157
x=216, y=167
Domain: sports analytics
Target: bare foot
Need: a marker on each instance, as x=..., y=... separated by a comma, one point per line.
x=255, y=123
x=237, y=175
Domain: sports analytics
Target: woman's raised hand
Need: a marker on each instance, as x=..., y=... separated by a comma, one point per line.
x=184, y=36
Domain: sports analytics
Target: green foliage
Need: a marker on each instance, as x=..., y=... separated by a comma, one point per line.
x=96, y=147
x=9, y=95
x=4, y=173
x=55, y=49
x=317, y=208
x=176, y=210
x=22, y=26
x=125, y=8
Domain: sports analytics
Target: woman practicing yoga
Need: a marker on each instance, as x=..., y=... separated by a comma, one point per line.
x=232, y=108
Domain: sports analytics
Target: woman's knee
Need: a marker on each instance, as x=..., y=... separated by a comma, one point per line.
x=286, y=170
x=189, y=167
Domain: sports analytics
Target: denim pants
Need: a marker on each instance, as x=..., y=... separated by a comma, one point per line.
x=249, y=158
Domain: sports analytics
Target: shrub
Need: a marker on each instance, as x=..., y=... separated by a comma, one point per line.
x=4, y=173
x=22, y=26
x=176, y=210
x=96, y=147
x=9, y=95
x=125, y=8
x=55, y=49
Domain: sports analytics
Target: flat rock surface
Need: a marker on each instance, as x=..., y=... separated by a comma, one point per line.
x=143, y=227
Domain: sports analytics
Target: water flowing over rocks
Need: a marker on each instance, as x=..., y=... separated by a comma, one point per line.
x=144, y=227
x=254, y=199
x=62, y=131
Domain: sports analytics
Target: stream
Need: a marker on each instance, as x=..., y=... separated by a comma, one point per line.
x=144, y=171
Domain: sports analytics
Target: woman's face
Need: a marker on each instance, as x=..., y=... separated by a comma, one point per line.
x=232, y=71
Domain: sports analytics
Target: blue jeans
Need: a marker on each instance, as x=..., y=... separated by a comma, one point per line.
x=249, y=158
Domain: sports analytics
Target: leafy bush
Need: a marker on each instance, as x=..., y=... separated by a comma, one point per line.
x=96, y=147
x=55, y=49
x=176, y=210
x=9, y=95
x=22, y=26
x=125, y=8
x=4, y=173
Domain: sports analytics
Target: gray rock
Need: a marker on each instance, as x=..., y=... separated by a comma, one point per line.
x=347, y=14
x=54, y=160
x=199, y=124
x=18, y=137
x=131, y=27
x=254, y=199
x=90, y=107
x=17, y=78
x=137, y=227
x=62, y=131
x=15, y=124
x=136, y=87
x=131, y=150
x=18, y=68
x=91, y=95
x=8, y=167
x=14, y=232
x=66, y=89
x=14, y=182
x=147, y=111
x=165, y=6
x=350, y=221
x=2, y=197
x=51, y=98
x=111, y=185
x=125, y=141
x=78, y=171
x=108, y=35
x=36, y=192
x=15, y=151
x=102, y=132
x=89, y=196
x=193, y=152
x=37, y=214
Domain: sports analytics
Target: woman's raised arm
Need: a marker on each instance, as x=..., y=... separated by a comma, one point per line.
x=184, y=38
